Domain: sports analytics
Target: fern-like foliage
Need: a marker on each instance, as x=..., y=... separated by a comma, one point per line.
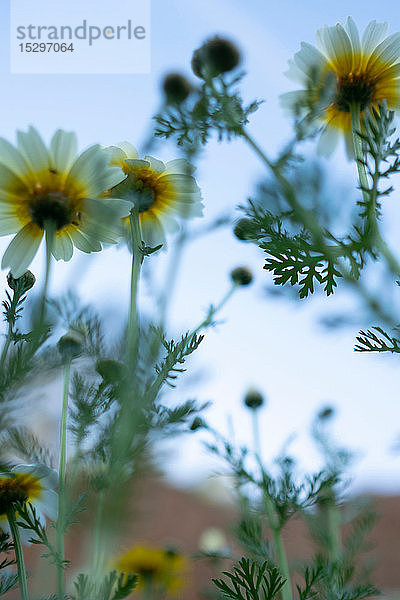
x=8, y=581
x=171, y=366
x=376, y=340
x=218, y=107
x=251, y=580
x=113, y=587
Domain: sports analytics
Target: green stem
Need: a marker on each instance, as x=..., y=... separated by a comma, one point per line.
x=49, y=232
x=97, y=535
x=137, y=258
x=215, y=309
x=156, y=386
x=256, y=433
x=6, y=345
x=333, y=518
x=308, y=219
x=19, y=555
x=61, y=486
x=358, y=149
x=281, y=558
x=370, y=197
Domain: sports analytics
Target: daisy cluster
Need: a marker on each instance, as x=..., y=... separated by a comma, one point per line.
x=84, y=200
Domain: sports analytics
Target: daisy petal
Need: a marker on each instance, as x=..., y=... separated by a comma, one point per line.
x=129, y=150
x=63, y=149
x=84, y=242
x=180, y=165
x=48, y=504
x=13, y=159
x=22, y=249
x=372, y=36
x=62, y=246
x=156, y=165
x=328, y=141
x=32, y=148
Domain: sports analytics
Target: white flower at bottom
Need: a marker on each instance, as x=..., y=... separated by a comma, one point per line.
x=29, y=483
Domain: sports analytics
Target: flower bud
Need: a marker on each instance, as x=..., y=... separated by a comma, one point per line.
x=214, y=57
x=23, y=283
x=241, y=276
x=112, y=371
x=244, y=230
x=176, y=88
x=253, y=399
x=326, y=413
x=70, y=345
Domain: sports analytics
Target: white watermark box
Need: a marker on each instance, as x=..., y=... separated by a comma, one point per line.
x=80, y=36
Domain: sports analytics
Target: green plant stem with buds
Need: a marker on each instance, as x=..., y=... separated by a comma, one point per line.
x=286, y=591
x=19, y=555
x=369, y=198
x=7, y=342
x=137, y=259
x=215, y=309
x=61, y=486
x=308, y=219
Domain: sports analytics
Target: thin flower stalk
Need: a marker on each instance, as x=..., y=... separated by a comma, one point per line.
x=137, y=259
x=61, y=487
x=19, y=555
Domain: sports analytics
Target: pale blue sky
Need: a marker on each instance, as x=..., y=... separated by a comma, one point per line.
x=276, y=346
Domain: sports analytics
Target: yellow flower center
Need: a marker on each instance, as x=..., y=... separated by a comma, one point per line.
x=144, y=186
x=18, y=487
x=53, y=206
x=354, y=88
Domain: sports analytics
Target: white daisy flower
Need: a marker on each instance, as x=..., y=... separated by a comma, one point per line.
x=53, y=187
x=29, y=483
x=164, y=193
x=360, y=72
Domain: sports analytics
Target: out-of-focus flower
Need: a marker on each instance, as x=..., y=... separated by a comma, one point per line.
x=28, y=483
x=54, y=188
x=345, y=71
x=213, y=542
x=163, y=193
x=162, y=570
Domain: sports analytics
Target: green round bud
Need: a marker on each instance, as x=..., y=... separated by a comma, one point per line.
x=214, y=57
x=23, y=283
x=326, y=413
x=241, y=276
x=112, y=371
x=176, y=88
x=244, y=230
x=253, y=399
x=197, y=423
x=70, y=345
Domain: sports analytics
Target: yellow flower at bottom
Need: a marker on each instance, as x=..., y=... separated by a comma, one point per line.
x=28, y=483
x=163, y=193
x=345, y=71
x=162, y=570
x=53, y=188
